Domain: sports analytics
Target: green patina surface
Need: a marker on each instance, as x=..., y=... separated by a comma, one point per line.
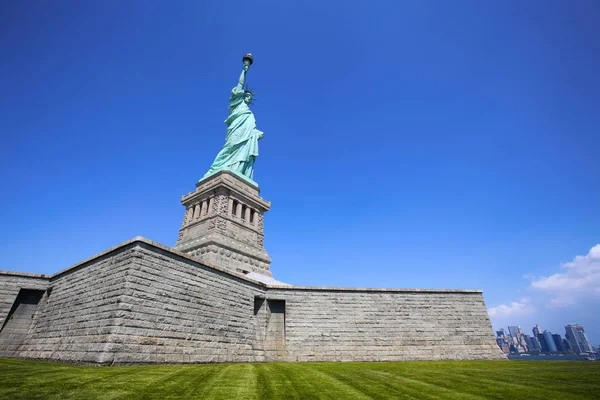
x=21, y=379
x=241, y=141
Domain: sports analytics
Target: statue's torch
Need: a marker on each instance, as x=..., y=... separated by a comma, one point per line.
x=248, y=60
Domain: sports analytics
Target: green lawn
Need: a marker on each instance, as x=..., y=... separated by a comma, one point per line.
x=411, y=380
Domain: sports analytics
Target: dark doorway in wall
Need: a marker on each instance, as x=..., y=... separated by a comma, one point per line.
x=270, y=327
x=19, y=319
x=258, y=303
x=275, y=334
x=25, y=304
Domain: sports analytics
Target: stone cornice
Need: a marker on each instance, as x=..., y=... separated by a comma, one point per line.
x=24, y=274
x=230, y=181
x=390, y=290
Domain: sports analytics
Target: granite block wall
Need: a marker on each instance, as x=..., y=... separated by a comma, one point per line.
x=75, y=319
x=19, y=298
x=141, y=302
x=11, y=283
x=176, y=310
x=328, y=324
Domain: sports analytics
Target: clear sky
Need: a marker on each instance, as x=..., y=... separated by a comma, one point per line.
x=426, y=144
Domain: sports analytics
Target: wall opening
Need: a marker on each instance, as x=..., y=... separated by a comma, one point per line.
x=269, y=316
x=19, y=320
x=23, y=308
x=258, y=303
x=275, y=330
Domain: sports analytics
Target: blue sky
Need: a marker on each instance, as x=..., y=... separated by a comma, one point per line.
x=407, y=144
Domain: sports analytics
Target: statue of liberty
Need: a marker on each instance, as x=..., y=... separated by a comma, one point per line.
x=241, y=142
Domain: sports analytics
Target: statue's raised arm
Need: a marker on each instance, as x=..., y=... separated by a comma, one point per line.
x=241, y=142
x=242, y=80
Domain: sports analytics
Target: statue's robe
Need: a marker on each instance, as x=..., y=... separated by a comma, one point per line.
x=241, y=142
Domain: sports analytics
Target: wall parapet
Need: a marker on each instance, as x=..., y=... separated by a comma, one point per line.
x=387, y=290
x=24, y=275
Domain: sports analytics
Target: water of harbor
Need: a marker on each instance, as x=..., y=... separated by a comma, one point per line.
x=548, y=357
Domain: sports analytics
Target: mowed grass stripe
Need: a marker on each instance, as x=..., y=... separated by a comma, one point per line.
x=21, y=379
x=295, y=381
x=319, y=383
x=538, y=379
x=371, y=383
x=233, y=381
x=418, y=387
x=510, y=383
x=460, y=381
x=275, y=383
x=174, y=382
x=520, y=379
x=471, y=385
x=381, y=380
x=73, y=382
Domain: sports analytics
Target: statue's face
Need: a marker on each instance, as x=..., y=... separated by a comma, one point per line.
x=247, y=98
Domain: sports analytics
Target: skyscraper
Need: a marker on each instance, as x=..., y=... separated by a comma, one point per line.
x=558, y=342
x=536, y=344
x=515, y=331
x=532, y=343
x=577, y=339
x=543, y=344
x=550, y=341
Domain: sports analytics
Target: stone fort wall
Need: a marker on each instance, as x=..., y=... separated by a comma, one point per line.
x=10, y=285
x=74, y=319
x=176, y=310
x=15, y=322
x=141, y=302
x=385, y=325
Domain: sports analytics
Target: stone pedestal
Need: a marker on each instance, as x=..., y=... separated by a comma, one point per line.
x=223, y=224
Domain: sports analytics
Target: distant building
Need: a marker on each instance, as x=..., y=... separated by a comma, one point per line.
x=577, y=339
x=536, y=330
x=550, y=341
x=558, y=342
x=500, y=333
x=515, y=332
x=543, y=344
x=536, y=343
x=532, y=343
x=503, y=345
